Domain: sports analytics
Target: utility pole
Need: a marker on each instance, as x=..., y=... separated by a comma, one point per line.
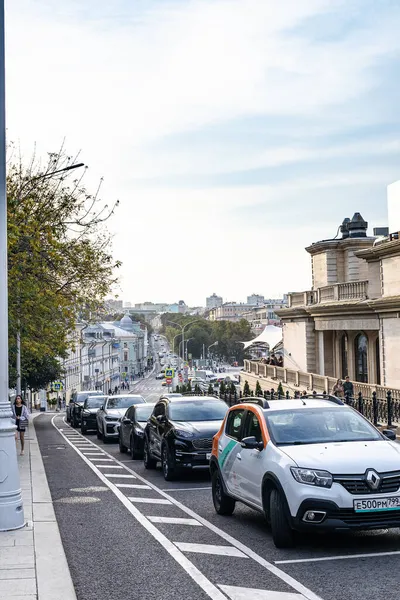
x=11, y=507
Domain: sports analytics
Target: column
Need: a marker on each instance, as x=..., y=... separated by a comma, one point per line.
x=372, y=336
x=321, y=357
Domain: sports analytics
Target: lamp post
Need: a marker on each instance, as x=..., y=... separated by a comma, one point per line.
x=11, y=507
x=183, y=327
x=38, y=178
x=210, y=346
x=186, y=351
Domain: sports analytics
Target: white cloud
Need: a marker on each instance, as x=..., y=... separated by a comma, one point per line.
x=115, y=80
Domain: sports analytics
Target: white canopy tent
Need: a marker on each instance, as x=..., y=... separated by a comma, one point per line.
x=271, y=335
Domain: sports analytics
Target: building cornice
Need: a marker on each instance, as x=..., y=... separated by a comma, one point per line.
x=385, y=249
x=342, y=243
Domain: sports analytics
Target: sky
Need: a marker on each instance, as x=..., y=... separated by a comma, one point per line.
x=233, y=132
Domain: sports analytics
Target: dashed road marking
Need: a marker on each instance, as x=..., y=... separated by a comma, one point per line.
x=211, y=590
x=241, y=593
x=149, y=500
x=193, y=489
x=210, y=549
x=108, y=467
x=175, y=521
x=341, y=557
x=134, y=486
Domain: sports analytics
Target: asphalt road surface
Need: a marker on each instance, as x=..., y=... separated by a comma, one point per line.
x=128, y=533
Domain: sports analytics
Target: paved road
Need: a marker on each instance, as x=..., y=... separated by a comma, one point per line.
x=159, y=539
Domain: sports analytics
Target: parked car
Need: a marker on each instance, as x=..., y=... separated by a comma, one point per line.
x=160, y=375
x=179, y=433
x=89, y=412
x=131, y=429
x=108, y=416
x=312, y=464
x=75, y=405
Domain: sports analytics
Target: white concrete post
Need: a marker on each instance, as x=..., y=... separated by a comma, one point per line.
x=321, y=357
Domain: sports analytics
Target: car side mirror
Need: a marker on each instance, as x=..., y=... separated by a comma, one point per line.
x=390, y=434
x=251, y=443
x=102, y=407
x=160, y=419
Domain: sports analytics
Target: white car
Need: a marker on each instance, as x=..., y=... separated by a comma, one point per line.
x=109, y=415
x=310, y=464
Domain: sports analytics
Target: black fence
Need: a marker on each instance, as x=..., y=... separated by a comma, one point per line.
x=381, y=412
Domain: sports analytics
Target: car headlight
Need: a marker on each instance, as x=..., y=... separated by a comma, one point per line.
x=139, y=431
x=312, y=477
x=183, y=433
x=110, y=418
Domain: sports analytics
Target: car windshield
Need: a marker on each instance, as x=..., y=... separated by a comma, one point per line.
x=143, y=412
x=95, y=401
x=85, y=395
x=196, y=410
x=319, y=425
x=124, y=401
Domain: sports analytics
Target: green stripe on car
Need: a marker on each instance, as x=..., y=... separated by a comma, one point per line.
x=224, y=454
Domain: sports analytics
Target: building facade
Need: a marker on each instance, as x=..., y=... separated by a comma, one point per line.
x=213, y=301
x=256, y=299
x=348, y=323
x=229, y=311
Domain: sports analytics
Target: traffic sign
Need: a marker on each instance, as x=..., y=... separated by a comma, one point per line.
x=170, y=373
x=169, y=381
x=58, y=386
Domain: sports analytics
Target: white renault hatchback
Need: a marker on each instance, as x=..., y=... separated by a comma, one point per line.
x=307, y=464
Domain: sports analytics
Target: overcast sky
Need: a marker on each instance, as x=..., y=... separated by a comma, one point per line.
x=234, y=132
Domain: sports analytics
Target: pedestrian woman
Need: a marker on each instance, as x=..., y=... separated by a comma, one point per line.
x=21, y=416
x=337, y=389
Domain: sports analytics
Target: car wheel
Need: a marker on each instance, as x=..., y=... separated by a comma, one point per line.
x=167, y=466
x=148, y=461
x=83, y=429
x=135, y=454
x=122, y=448
x=98, y=433
x=223, y=504
x=282, y=533
x=104, y=436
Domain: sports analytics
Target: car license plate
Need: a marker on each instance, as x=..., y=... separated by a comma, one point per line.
x=377, y=504
x=208, y=456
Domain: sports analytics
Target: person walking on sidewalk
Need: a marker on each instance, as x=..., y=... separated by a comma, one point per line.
x=21, y=417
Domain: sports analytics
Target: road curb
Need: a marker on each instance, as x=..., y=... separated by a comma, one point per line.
x=53, y=576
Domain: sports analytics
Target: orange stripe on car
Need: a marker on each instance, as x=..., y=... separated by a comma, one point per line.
x=254, y=408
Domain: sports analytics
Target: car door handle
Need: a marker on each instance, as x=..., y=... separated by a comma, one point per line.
x=238, y=456
x=219, y=448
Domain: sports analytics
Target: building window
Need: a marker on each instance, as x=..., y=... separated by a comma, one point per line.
x=344, y=354
x=378, y=362
x=125, y=356
x=361, y=356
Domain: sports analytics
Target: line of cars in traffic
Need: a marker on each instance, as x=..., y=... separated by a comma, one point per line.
x=310, y=464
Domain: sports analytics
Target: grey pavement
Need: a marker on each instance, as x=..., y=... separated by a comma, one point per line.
x=32, y=559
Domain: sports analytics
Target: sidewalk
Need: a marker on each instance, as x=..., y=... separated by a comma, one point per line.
x=32, y=559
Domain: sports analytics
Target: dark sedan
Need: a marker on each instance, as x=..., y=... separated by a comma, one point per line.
x=75, y=405
x=180, y=433
x=89, y=412
x=131, y=430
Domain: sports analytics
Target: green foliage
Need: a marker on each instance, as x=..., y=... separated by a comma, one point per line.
x=177, y=389
x=246, y=389
x=232, y=389
x=259, y=391
x=197, y=389
x=222, y=387
x=206, y=333
x=210, y=390
x=188, y=387
x=280, y=391
x=59, y=263
x=183, y=389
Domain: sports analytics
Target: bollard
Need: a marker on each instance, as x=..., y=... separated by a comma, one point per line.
x=374, y=408
x=389, y=408
x=360, y=403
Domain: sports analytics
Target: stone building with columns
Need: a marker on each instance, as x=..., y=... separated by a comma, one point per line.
x=349, y=322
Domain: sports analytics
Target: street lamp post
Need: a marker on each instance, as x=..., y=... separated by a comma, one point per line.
x=11, y=507
x=186, y=351
x=210, y=346
x=183, y=327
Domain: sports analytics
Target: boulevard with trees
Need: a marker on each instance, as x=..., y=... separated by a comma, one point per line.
x=60, y=264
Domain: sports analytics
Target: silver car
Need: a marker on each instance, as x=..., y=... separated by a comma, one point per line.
x=109, y=415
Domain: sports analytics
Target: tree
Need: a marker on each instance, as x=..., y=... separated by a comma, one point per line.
x=280, y=391
x=232, y=389
x=59, y=262
x=188, y=387
x=178, y=389
x=197, y=390
x=246, y=389
x=259, y=391
x=222, y=388
x=210, y=390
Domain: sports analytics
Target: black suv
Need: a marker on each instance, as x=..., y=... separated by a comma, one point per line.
x=131, y=430
x=89, y=412
x=180, y=431
x=76, y=403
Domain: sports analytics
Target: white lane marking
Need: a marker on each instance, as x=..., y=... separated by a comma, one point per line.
x=102, y=459
x=209, y=588
x=193, y=489
x=241, y=593
x=110, y=475
x=149, y=500
x=133, y=486
x=108, y=466
x=175, y=521
x=210, y=549
x=341, y=557
x=91, y=453
x=296, y=585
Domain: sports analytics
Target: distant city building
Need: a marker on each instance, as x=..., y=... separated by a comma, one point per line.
x=213, y=301
x=113, y=305
x=127, y=304
x=229, y=311
x=264, y=315
x=256, y=299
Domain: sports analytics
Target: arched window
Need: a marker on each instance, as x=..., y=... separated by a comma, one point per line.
x=361, y=357
x=343, y=355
